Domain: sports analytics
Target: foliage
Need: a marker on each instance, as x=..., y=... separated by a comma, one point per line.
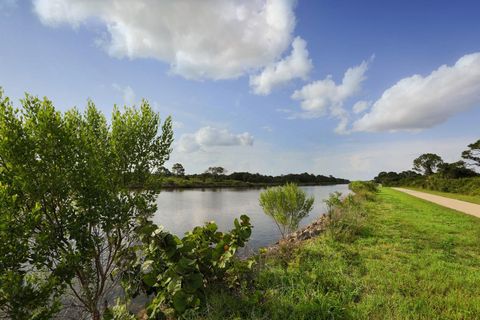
x=455, y=170
x=389, y=179
x=302, y=178
x=467, y=186
x=70, y=176
x=178, y=169
x=346, y=217
x=364, y=189
x=178, y=271
x=334, y=200
x=237, y=179
x=118, y=312
x=23, y=294
x=216, y=171
x=287, y=205
x=427, y=163
x=473, y=153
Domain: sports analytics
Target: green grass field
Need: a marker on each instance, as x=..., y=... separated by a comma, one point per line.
x=416, y=260
x=463, y=197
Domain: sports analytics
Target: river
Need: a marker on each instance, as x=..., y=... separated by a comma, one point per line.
x=181, y=210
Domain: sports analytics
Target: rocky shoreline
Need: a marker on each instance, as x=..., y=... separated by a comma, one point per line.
x=312, y=230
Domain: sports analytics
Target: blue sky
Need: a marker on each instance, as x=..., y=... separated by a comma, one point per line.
x=241, y=97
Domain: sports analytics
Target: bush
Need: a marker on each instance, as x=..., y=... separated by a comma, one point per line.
x=468, y=186
x=178, y=271
x=347, y=217
x=364, y=189
x=287, y=205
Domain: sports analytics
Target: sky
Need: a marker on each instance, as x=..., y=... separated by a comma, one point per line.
x=347, y=88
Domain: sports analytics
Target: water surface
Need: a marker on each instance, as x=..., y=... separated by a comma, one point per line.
x=181, y=210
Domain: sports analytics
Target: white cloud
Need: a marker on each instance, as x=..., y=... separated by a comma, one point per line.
x=324, y=97
x=207, y=137
x=360, y=106
x=419, y=102
x=296, y=65
x=214, y=39
x=127, y=92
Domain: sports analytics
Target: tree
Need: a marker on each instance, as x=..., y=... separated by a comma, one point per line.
x=287, y=205
x=21, y=296
x=70, y=177
x=427, y=163
x=455, y=170
x=178, y=170
x=164, y=171
x=473, y=153
x=216, y=171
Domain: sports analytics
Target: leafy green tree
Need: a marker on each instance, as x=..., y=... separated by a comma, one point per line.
x=164, y=171
x=178, y=169
x=473, y=153
x=455, y=170
x=71, y=176
x=287, y=205
x=23, y=294
x=427, y=163
x=216, y=171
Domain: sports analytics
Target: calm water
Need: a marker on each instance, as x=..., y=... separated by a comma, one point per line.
x=181, y=210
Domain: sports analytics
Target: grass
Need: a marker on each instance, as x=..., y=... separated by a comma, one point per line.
x=415, y=260
x=458, y=196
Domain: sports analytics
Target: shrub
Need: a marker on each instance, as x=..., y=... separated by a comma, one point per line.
x=469, y=186
x=364, y=189
x=177, y=271
x=346, y=218
x=287, y=205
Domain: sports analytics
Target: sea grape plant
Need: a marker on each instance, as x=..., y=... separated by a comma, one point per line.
x=177, y=271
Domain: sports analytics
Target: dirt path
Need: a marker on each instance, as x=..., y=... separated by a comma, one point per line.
x=462, y=206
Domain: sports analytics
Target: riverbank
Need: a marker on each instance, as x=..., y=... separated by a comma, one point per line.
x=240, y=180
x=230, y=184
x=414, y=260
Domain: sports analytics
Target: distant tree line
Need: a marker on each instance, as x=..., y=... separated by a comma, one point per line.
x=300, y=178
x=220, y=173
x=430, y=167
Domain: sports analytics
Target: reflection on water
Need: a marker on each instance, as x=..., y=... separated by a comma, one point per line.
x=181, y=210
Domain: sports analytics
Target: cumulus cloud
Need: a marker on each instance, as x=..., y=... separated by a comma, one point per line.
x=213, y=137
x=419, y=102
x=208, y=39
x=360, y=106
x=296, y=65
x=324, y=97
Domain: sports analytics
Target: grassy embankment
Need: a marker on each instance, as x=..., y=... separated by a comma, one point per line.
x=457, y=196
x=413, y=260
